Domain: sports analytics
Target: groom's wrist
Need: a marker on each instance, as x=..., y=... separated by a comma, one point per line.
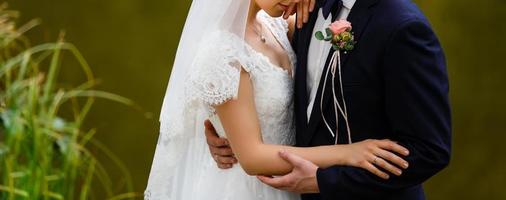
x=316, y=180
x=319, y=179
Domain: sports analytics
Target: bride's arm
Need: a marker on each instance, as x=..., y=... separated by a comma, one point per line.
x=239, y=119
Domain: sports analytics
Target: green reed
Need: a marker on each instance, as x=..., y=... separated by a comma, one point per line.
x=44, y=151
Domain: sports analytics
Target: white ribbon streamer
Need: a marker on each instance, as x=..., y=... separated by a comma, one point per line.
x=335, y=63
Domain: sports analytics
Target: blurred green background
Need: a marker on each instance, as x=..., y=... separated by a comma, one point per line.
x=131, y=44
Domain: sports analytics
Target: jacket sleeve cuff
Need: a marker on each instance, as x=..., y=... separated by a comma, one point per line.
x=328, y=182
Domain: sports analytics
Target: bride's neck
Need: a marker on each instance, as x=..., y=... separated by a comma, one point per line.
x=253, y=11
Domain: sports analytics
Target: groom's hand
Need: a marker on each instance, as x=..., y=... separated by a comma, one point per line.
x=301, y=180
x=219, y=148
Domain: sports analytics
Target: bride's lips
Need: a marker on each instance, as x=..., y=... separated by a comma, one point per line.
x=283, y=6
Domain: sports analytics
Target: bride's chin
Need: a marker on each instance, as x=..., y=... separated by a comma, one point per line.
x=275, y=13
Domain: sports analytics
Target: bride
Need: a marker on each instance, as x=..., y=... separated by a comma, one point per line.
x=234, y=65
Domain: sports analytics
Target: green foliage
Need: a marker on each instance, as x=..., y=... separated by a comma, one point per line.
x=329, y=34
x=326, y=37
x=139, y=39
x=43, y=153
x=319, y=35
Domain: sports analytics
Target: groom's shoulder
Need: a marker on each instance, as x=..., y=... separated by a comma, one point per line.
x=394, y=13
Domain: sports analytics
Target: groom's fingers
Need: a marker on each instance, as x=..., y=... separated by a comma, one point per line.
x=226, y=160
x=219, y=148
x=216, y=141
x=276, y=182
x=221, y=151
x=209, y=126
x=212, y=136
x=291, y=158
x=223, y=155
x=265, y=179
x=224, y=166
x=287, y=181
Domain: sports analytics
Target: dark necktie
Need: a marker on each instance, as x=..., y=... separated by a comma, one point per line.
x=332, y=6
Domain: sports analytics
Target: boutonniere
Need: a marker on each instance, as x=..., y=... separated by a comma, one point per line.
x=339, y=35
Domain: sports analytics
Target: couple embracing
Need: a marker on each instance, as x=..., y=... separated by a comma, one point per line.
x=348, y=101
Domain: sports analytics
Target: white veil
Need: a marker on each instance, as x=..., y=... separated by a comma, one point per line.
x=181, y=143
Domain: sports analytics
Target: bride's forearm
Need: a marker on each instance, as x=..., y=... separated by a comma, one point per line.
x=242, y=128
x=265, y=159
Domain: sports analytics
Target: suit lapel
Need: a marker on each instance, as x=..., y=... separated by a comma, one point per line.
x=304, y=36
x=359, y=18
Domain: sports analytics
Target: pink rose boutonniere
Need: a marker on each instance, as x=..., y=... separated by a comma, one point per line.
x=339, y=34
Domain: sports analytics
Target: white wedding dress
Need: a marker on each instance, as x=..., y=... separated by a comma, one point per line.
x=213, y=81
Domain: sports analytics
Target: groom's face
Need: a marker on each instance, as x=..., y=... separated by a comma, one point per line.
x=274, y=8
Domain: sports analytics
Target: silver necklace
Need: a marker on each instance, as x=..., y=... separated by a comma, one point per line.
x=260, y=33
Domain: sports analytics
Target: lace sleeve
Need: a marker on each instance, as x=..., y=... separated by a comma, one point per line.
x=216, y=71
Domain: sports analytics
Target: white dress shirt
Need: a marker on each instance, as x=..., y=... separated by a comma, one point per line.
x=318, y=52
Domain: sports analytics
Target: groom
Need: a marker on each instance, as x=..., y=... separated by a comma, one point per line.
x=395, y=86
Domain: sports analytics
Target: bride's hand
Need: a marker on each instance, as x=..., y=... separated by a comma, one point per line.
x=377, y=156
x=302, y=8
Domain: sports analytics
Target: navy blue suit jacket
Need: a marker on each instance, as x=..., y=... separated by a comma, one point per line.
x=396, y=87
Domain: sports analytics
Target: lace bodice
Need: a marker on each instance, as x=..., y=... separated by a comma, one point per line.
x=182, y=166
x=216, y=80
